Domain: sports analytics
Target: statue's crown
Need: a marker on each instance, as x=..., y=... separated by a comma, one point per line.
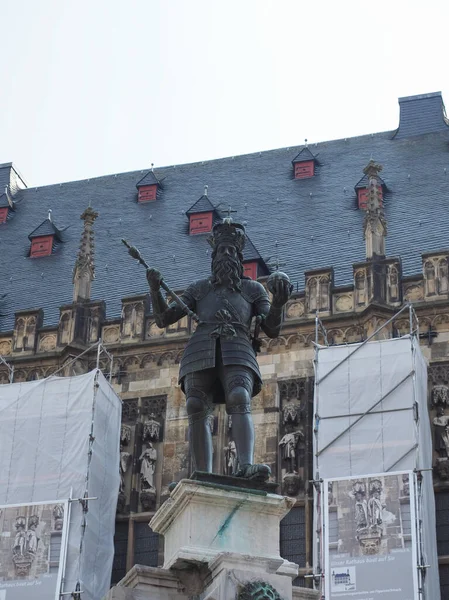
x=228, y=232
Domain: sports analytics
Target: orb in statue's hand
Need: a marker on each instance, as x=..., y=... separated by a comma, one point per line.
x=279, y=285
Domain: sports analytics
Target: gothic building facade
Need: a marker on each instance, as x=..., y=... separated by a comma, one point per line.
x=361, y=227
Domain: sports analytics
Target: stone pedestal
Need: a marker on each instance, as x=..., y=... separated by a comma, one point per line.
x=201, y=520
x=221, y=543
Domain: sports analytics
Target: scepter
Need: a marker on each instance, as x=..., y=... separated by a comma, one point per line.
x=132, y=250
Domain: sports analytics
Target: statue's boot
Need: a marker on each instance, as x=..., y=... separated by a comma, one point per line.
x=258, y=472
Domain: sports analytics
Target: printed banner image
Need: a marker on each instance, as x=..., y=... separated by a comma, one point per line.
x=32, y=539
x=370, y=546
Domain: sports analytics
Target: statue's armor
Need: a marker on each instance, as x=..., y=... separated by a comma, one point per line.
x=223, y=331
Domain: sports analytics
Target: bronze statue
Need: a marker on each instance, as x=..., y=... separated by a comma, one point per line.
x=219, y=362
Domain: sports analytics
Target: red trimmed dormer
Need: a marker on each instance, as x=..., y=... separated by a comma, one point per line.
x=304, y=164
x=362, y=192
x=147, y=187
x=200, y=223
x=201, y=215
x=41, y=246
x=44, y=238
x=6, y=204
x=250, y=269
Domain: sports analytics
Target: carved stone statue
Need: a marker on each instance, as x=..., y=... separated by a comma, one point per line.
x=219, y=362
x=25, y=545
x=361, y=506
x=289, y=445
x=374, y=504
x=230, y=453
x=125, y=460
x=20, y=537
x=147, y=467
x=441, y=428
x=31, y=536
x=58, y=514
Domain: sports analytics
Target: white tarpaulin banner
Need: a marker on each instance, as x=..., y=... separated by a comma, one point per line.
x=59, y=439
x=371, y=416
x=32, y=550
x=370, y=542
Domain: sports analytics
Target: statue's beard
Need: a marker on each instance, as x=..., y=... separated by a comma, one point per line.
x=227, y=271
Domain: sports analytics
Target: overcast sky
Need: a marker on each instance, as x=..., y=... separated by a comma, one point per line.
x=95, y=87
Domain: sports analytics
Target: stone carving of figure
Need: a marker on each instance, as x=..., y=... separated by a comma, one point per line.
x=219, y=362
x=125, y=460
x=289, y=445
x=58, y=514
x=375, y=509
x=20, y=537
x=441, y=428
x=230, y=453
x=31, y=536
x=361, y=511
x=147, y=467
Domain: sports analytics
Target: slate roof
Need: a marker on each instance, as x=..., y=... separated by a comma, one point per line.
x=315, y=221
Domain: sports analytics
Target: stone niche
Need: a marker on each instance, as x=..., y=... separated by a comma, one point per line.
x=393, y=287
x=26, y=326
x=435, y=273
x=319, y=284
x=134, y=311
x=66, y=326
x=95, y=316
x=362, y=286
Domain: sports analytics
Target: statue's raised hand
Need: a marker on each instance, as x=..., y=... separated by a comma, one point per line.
x=154, y=278
x=279, y=285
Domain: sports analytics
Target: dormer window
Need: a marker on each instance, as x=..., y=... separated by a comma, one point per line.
x=254, y=265
x=304, y=164
x=250, y=270
x=147, y=193
x=148, y=187
x=44, y=238
x=6, y=204
x=362, y=192
x=201, y=215
x=41, y=246
x=200, y=223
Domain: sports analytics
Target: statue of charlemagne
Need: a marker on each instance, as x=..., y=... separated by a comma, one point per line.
x=219, y=362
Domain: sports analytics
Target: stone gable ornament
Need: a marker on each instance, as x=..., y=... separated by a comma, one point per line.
x=258, y=590
x=291, y=414
x=219, y=362
x=58, y=515
x=151, y=429
x=125, y=434
x=440, y=395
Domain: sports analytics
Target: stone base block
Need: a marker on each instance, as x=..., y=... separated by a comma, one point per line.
x=201, y=520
